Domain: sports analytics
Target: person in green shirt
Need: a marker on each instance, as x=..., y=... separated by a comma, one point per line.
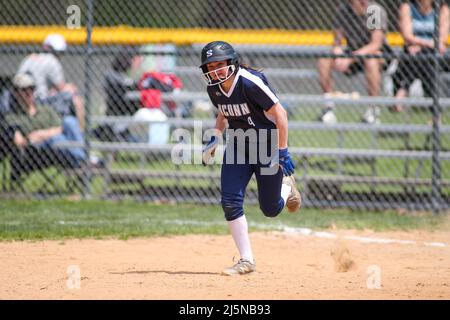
x=39, y=125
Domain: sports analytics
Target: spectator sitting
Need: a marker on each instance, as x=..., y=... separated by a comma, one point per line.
x=51, y=88
x=117, y=83
x=351, y=23
x=145, y=109
x=40, y=126
x=417, y=23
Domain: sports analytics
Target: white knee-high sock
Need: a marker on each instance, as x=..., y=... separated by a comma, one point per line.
x=285, y=191
x=239, y=231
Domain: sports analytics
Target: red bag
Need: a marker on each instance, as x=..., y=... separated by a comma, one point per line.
x=152, y=84
x=151, y=98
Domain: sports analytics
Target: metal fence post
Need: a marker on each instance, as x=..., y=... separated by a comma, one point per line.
x=436, y=136
x=87, y=94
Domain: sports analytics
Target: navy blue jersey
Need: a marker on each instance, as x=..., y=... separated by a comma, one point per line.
x=244, y=105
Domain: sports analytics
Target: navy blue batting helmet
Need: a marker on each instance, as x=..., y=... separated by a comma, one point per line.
x=219, y=51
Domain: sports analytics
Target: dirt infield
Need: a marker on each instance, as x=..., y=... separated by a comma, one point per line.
x=290, y=266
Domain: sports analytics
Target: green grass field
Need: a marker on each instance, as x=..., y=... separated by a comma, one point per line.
x=61, y=219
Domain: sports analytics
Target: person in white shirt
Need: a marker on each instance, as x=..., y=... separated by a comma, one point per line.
x=48, y=73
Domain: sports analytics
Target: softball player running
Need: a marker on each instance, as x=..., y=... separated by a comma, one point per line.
x=245, y=101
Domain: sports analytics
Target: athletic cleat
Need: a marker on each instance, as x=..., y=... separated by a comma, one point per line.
x=294, y=200
x=241, y=267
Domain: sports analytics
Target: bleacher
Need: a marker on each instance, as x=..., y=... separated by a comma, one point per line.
x=331, y=185
x=323, y=177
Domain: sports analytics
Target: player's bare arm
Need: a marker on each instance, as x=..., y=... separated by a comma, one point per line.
x=279, y=114
x=221, y=123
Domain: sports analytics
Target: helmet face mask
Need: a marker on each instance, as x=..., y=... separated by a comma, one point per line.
x=215, y=52
x=214, y=77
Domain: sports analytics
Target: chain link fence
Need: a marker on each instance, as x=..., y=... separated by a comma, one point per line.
x=94, y=110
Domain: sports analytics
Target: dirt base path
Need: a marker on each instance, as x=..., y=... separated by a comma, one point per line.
x=289, y=266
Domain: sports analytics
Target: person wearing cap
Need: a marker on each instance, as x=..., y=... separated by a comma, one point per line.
x=39, y=125
x=51, y=86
